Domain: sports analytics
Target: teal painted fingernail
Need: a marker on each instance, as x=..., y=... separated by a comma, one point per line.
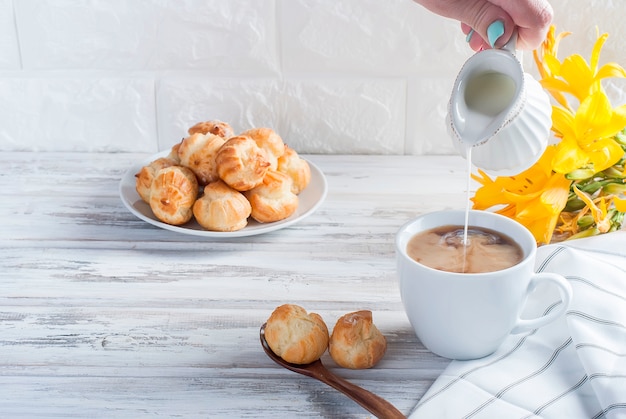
x=469, y=35
x=495, y=31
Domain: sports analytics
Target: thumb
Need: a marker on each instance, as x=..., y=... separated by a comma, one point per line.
x=476, y=17
x=487, y=25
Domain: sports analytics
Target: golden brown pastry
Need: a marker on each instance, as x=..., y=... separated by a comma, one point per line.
x=295, y=335
x=174, y=153
x=296, y=168
x=198, y=152
x=356, y=342
x=221, y=208
x=269, y=141
x=272, y=200
x=241, y=163
x=223, y=129
x=173, y=193
x=143, y=179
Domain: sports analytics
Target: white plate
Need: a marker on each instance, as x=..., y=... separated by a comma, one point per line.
x=309, y=200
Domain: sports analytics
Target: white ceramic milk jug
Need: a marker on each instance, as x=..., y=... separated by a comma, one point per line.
x=500, y=111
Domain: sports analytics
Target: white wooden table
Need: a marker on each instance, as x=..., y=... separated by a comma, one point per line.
x=104, y=315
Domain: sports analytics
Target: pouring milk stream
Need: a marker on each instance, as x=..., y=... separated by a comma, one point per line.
x=498, y=115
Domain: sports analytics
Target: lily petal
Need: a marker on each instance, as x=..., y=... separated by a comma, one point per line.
x=578, y=75
x=620, y=204
x=594, y=112
x=595, y=53
x=568, y=157
x=563, y=121
x=595, y=211
x=611, y=70
x=604, y=154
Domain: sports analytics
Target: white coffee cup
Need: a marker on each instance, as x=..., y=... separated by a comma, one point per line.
x=468, y=315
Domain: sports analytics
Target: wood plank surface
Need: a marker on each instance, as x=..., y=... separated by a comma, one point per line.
x=105, y=315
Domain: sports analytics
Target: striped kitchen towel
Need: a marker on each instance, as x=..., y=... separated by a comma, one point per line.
x=572, y=368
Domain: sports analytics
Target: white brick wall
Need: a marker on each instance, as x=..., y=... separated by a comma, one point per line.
x=331, y=76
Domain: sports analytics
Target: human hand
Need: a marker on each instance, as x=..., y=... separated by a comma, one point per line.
x=532, y=18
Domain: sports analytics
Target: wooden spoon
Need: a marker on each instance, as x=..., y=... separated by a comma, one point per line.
x=376, y=405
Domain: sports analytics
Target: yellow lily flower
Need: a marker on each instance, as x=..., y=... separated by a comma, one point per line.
x=541, y=214
x=534, y=198
x=548, y=64
x=574, y=75
x=587, y=135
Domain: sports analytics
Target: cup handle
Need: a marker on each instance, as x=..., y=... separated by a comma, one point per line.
x=565, y=290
